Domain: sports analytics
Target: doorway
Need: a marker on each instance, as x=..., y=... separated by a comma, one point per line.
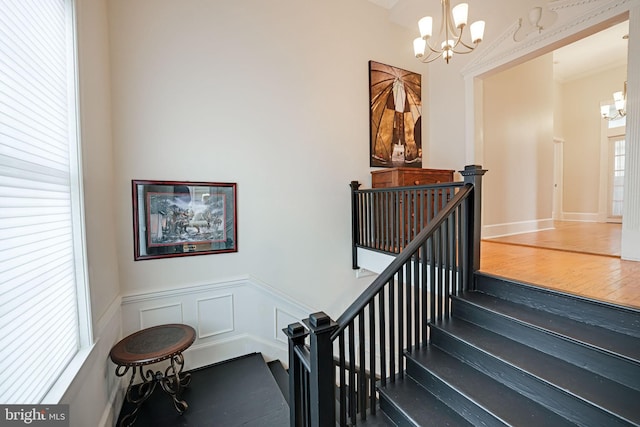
x=558, y=160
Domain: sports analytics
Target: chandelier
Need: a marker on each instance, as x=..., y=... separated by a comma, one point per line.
x=451, y=30
x=620, y=103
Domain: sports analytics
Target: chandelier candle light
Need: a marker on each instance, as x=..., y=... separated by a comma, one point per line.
x=620, y=102
x=451, y=29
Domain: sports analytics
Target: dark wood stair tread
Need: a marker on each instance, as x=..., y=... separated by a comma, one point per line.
x=379, y=419
x=613, y=317
x=565, y=377
x=413, y=402
x=503, y=403
x=622, y=345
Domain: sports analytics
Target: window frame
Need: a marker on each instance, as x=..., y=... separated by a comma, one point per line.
x=84, y=342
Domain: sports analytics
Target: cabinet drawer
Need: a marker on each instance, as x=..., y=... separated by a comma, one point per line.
x=400, y=177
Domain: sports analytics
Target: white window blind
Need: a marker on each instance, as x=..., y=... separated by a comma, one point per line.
x=39, y=332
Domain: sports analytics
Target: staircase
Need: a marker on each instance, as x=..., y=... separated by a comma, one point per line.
x=434, y=342
x=515, y=355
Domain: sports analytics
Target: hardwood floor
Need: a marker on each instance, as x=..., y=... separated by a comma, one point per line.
x=572, y=236
x=578, y=258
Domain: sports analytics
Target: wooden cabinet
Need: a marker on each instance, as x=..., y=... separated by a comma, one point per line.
x=401, y=177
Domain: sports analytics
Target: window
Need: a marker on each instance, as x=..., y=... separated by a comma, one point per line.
x=616, y=177
x=43, y=308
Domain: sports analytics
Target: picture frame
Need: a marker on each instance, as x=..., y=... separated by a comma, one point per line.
x=395, y=112
x=183, y=218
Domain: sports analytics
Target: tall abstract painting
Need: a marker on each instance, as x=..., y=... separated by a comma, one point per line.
x=395, y=100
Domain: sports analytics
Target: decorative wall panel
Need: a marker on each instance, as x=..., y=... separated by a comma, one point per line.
x=161, y=315
x=215, y=315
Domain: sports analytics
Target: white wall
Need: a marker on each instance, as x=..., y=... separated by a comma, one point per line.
x=97, y=153
x=581, y=123
x=270, y=95
x=446, y=149
x=520, y=120
x=518, y=148
x=93, y=394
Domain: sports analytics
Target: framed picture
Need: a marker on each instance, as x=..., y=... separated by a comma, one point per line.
x=175, y=218
x=395, y=99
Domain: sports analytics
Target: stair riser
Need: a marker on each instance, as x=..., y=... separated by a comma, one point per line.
x=620, y=319
x=594, y=360
x=568, y=406
x=452, y=397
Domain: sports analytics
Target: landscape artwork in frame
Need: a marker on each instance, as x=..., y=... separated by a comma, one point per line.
x=180, y=218
x=395, y=99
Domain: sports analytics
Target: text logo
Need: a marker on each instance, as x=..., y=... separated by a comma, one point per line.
x=34, y=415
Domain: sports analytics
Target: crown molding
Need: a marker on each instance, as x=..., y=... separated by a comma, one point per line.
x=575, y=17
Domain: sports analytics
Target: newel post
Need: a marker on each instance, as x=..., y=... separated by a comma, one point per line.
x=355, y=223
x=296, y=334
x=473, y=175
x=322, y=376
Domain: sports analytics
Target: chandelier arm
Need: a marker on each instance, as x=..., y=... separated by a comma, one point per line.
x=436, y=51
x=430, y=58
x=471, y=48
x=434, y=54
x=459, y=41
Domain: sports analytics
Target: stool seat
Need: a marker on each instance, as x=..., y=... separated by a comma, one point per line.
x=152, y=345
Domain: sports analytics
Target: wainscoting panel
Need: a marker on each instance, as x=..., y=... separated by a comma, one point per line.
x=231, y=318
x=215, y=315
x=161, y=315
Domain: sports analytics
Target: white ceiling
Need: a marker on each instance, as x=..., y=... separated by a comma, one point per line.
x=597, y=52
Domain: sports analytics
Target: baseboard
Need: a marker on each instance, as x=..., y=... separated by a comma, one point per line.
x=198, y=356
x=110, y=413
x=107, y=325
x=580, y=216
x=508, y=229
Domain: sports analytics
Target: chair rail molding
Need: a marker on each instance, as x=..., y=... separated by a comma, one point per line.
x=232, y=317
